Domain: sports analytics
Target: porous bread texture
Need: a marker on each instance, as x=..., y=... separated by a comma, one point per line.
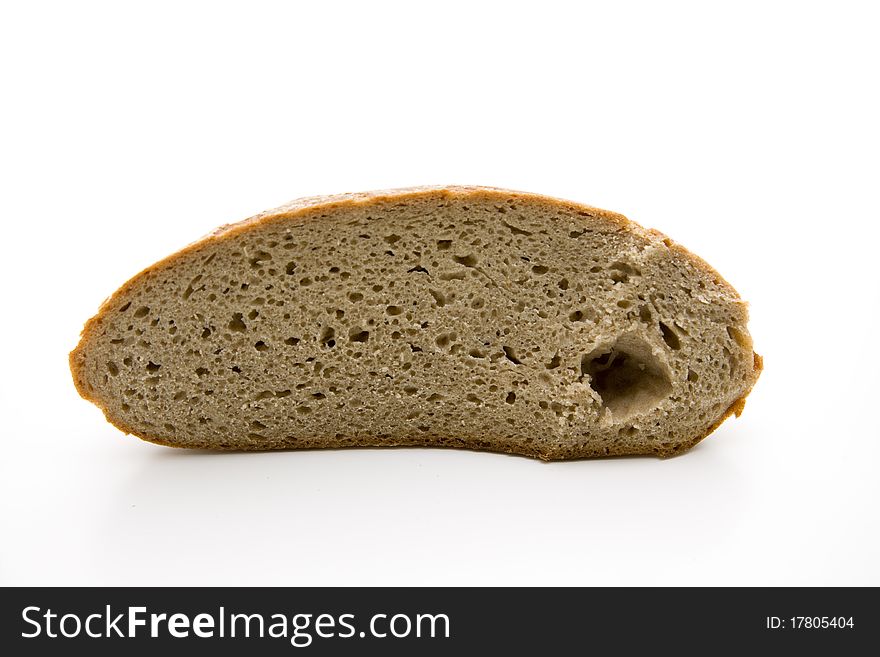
x=458, y=316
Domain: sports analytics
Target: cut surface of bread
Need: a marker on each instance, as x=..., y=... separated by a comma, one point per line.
x=468, y=317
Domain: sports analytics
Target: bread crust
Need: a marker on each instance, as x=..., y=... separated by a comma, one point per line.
x=310, y=209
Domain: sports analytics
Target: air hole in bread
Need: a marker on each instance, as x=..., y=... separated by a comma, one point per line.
x=738, y=336
x=621, y=271
x=510, y=355
x=627, y=376
x=327, y=337
x=516, y=231
x=191, y=287
x=669, y=337
x=356, y=335
x=259, y=258
x=469, y=260
x=236, y=324
x=445, y=339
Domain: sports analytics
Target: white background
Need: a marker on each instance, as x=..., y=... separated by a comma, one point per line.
x=749, y=134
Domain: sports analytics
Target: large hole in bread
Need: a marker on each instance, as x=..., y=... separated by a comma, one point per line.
x=627, y=376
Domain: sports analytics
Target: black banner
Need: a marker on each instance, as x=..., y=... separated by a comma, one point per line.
x=435, y=621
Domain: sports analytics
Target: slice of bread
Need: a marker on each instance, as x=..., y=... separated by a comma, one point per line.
x=467, y=317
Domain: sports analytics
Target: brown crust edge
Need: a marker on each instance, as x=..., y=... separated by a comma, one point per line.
x=304, y=208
